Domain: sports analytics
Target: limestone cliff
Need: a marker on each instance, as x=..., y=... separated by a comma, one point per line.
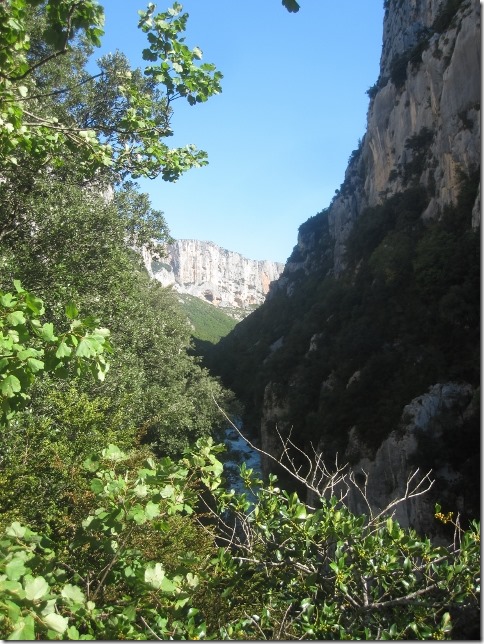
x=423, y=130
x=423, y=120
x=223, y=278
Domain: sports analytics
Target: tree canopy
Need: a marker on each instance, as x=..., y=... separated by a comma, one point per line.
x=121, y=116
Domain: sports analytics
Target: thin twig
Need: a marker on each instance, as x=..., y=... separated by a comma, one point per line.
x=150, y=629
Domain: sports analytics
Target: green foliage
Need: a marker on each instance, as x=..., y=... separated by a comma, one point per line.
x=127, y=139
x=128, y=543
x=446, y=14
x=68, y=235
x=373, y=90
x=28, y=347
x=208, y=322
x=412, y=56
x=41, y=480
x=104, y=588
x=419, y=145
x=298, y=573
x=154, y=383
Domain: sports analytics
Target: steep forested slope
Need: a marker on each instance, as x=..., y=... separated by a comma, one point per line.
x=379, y=300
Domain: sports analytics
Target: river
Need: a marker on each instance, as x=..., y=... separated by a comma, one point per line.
x=238, y=452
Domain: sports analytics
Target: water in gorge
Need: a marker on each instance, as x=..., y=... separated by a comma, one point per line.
x=238, y=452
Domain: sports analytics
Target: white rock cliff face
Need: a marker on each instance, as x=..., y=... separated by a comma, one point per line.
x=440, y=96
x=218, y=276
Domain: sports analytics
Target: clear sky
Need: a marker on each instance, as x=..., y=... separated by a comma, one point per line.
x=293, y=108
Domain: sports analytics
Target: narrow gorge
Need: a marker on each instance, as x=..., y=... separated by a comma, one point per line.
x=367, y=347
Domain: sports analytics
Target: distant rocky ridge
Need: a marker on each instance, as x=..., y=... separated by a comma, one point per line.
x=224, y=278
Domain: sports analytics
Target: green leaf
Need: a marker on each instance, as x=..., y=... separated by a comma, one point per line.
x=84, y=349
x=167, y=585
x=113, y=453
x=36, y=588
x=154, y=575
x=8, y=300
x=16, y=530
x=71, y=311
x=300, y=513
x=18, y=286
x=14, y=611
x=35, y=304
x=47, y=332
x=10, y=386
x=73, y=633
x=101, y=332
x=138, y=515
x=63, y=351
x=152, y=510
x=130, y=612
x=27, y=353
x=15, y=318
x=56, y=622
x=73, y=594
x=141, y=490
x=24, y=630
x=15, y=569
x=167, y=492
x=97, y=486
x=35, y=365
x=91, y=464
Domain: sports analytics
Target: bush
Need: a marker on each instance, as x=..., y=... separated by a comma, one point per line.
x=283, y=571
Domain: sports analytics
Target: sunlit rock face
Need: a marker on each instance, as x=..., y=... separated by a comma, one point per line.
x=423, y=123
x=218, y=276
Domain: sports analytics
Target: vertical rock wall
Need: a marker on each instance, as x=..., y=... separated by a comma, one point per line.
x=211, y=273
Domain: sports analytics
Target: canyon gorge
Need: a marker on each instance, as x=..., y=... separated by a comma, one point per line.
x=375, y=316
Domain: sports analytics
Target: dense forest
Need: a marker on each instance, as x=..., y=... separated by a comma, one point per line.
x=115, y=520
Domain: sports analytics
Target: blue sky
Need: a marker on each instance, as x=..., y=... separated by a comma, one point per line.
x=293, y=108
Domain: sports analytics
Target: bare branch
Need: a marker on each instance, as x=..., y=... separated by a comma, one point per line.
x=157, y=637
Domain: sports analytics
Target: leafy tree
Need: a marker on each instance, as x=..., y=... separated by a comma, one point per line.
x=128, y=138
x=66, y=235
x=28, y=347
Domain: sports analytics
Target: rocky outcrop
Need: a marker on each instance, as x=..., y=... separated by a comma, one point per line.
x=386, y=476
x=218, y=276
